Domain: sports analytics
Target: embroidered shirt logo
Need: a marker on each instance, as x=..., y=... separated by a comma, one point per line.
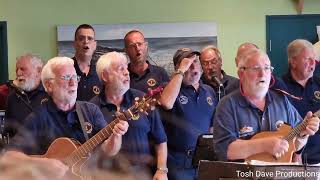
x=209, y=100
x=245, y=131
x=96, y=90
x=88, y=127
x=44, y=100
x=151, y=82
x=317, y=95
x=279, y=124
x=135, y=117
x=183, y=99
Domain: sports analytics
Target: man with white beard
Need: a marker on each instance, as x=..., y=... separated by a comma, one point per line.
x=252, y=109
x=28, y=92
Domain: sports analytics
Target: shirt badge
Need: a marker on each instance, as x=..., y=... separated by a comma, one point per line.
x=183, y=99
x=317, y=95
x=279, y=124
x=88, y=127
x=209, y=100
x=96, y=90
x=135, y=117
x=151, y=82
x=245, y=131
x=44, y=100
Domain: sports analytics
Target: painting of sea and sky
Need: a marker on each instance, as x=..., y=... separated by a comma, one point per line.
x=163, y=39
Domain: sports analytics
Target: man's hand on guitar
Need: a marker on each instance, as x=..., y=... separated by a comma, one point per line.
x=120, y=128
x=276, y=146
x=312, y=125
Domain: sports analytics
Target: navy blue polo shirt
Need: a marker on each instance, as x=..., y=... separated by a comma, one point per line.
x=230, y=84
x=49, y=123
x=89, y=85
x=153, y=77
x=20, y=106
x=310, y=102
x=237, y=118
x=191, y=115
x=136, y=142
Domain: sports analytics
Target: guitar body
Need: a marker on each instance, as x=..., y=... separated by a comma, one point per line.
x=281, y=132
x=60, y=149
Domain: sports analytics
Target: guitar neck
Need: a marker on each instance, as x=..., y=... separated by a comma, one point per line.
x=297, y=130
x=94, y=141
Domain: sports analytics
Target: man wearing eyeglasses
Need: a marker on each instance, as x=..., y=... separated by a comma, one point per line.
x=58, y=118
x=190, y=106
x=27, y=92
x=301, y=82
x=254, y=108
x=85, y=46
x=213, y=75
x=143, y=75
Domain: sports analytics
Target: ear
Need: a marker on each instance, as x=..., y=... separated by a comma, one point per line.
x=48, y=85
x=104, y=76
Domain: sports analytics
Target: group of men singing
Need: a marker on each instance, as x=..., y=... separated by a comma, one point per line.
x=78, y=97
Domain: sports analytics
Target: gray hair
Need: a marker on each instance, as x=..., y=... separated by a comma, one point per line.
x=213, y=48
x=297, y=46
x=47, y=71
x=248, y=54
x=34, y=60
x=105, y=61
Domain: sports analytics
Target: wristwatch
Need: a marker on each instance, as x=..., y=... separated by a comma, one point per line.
x=163, y=170
x=178, y=71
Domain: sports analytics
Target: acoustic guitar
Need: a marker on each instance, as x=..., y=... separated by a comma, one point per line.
x=285, y=132
x=74, y=155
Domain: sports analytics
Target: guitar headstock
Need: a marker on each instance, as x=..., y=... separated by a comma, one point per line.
x=147, y=102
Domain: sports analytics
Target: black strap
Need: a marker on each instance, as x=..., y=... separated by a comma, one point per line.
x=81, y=119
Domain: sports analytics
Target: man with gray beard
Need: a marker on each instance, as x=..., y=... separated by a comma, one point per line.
x=27, y=94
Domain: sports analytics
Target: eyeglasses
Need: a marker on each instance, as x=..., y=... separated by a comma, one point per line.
x=137, y=44
x=85, y=38
x=69, y=77
x=257, y=69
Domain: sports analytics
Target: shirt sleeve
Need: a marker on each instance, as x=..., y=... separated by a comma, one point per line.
x=224, y=126
x=157, y=130
x=26, y=139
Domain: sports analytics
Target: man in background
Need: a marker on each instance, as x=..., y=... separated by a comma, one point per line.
x=143, y=75
x=190, y=106
x=302, y=83
x=85, y=46
x=214, y=75
x=28, y=92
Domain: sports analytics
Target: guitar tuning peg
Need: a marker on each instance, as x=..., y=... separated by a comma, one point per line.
x=136, y=98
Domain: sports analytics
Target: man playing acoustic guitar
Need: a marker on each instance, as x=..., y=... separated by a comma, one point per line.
x=58, y=118
x=253, y=109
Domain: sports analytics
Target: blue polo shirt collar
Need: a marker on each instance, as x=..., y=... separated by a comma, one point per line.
x=92, y=70
x=134, y=75
x=125, y=103
x=244, y=102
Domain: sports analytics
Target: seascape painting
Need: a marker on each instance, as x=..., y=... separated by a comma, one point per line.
x=163, y=39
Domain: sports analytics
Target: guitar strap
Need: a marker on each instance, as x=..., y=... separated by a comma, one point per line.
x=81, y=119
